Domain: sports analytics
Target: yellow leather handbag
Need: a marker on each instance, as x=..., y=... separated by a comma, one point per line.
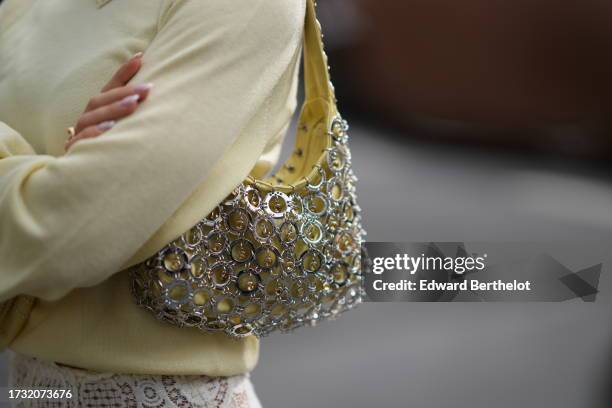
x=277, y=253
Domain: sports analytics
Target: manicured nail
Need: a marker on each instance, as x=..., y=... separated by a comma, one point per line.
x=143, y=87
x=129, y=100
x=106, y=125
x=137, y=55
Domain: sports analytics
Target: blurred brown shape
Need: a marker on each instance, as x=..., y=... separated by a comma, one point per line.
x=527, y=72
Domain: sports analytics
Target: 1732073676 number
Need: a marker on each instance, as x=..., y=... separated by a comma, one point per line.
x=39, y=394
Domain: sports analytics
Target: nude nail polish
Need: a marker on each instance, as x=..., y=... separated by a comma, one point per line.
x=106, y=125
x=137, y=55
x=128, y=100
x=143, y=87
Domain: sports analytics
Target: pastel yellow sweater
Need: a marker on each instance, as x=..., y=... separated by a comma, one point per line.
x=225, y=75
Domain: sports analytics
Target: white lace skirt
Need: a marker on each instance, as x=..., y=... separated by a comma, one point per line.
x=106, y=390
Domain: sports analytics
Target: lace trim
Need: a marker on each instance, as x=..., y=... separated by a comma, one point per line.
x=107, y=390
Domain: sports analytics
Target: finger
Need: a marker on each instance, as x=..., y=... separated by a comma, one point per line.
x=117, y=94
x=114, y=111
x=89, y=132
x=124, y=73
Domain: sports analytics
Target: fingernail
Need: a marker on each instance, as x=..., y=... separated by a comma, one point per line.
x=137, y=55
x=106, y=125
x=143, y=87
x=128, y=100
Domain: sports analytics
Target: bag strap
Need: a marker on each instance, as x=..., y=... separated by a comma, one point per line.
x=317, y=113
x=316, y=75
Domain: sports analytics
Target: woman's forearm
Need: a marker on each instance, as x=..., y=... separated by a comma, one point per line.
x=73, y=221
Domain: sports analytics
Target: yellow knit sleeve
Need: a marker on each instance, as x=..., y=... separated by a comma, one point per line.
x=12, y=143
x=72, y=221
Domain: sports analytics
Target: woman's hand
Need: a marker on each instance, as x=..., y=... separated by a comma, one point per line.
x=116, y=101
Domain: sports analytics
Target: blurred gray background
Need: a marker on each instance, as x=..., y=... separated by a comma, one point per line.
x=458, y=354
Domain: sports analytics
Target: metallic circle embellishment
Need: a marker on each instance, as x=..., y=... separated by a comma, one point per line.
x=174, y=260
x=221, y=275
x=193, y=238
x=216, y=243
x=216, y=325
x=225, y=306
x=263, y=229
x=348, y=212
x=197, y=267
x=238, y=220
x=298, y=290
x=312, y=260
x=337, y=128
x=252, y=198
x=178, y=292
x=345, y=244
x=316, y=183
x=288, y=262
x=335, y=189
x=336, y=160
x=312, y=232
x=316, y=204
x=242, y=330
x=340, y=272
x=248, y=282
x=288, y=232
x=241, y=250
x=266, y=257
x=201, y=297
x=277, y=204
